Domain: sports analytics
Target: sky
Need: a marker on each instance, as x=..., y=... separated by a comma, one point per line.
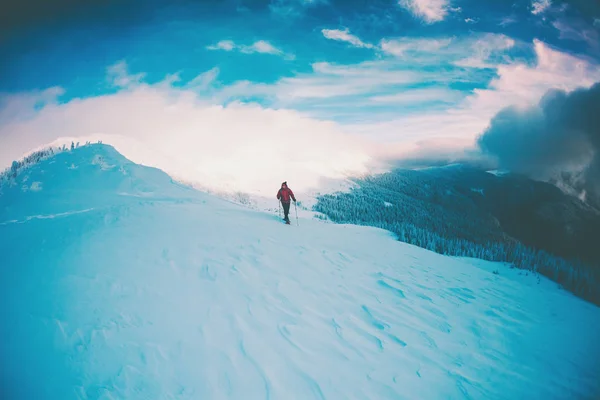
x=242, y=95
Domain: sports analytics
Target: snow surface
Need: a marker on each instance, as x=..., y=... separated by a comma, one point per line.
x=117, y=283
x=267, y=202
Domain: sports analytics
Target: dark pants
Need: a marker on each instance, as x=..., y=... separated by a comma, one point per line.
x=286, y=210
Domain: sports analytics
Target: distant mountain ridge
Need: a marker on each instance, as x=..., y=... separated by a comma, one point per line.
x=536, y=213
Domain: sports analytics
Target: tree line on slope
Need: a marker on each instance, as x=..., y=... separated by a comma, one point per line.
x=536, y=213
x=426, y=212
x=9, y=175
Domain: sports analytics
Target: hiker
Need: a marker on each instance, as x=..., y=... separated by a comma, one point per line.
x=284, y=194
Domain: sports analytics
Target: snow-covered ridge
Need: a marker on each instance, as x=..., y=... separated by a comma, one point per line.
x=140, y=288
x=95, y=175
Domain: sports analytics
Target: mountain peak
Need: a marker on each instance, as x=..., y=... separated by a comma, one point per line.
x=90, y=176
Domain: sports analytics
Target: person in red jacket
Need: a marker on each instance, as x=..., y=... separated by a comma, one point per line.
x=284, y=194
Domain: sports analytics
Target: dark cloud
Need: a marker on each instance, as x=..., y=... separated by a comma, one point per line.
x=557, y=139
x=21, y=17
x=587, y=8
x=17, y=16
x=431, y=154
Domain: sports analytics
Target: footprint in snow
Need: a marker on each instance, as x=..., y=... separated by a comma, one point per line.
x=396, y=291
x=369, y=318
x=428, y=340
x=205, y=273
x=463, y=294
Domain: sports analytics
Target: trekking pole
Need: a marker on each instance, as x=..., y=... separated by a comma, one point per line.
x=296, y=208
x=279, y=202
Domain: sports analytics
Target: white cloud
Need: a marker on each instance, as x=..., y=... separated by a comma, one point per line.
x=347, y=91
x=24, y=105
x=401, y=46
x=540, y=6
x=329, y=80
x=507, y=21
x=472, y=51
x=260, y=46
x=226, y=45
x=118, y=75
x=204, y=80
x=429, y=10
x=577, y=30
x=471, y=20
x=482, y=49
x=326, y=82
x=517, y=84
x=344, y=36
x=242, y=147
x=413, y=96
x=524, y=85
x=330, y=86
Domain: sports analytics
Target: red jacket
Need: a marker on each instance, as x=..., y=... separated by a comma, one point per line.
x=284, y=194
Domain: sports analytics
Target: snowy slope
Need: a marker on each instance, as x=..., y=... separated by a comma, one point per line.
x=268, y=202
x=117, y=283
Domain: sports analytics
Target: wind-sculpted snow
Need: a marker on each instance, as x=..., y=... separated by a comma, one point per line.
x=160, y=297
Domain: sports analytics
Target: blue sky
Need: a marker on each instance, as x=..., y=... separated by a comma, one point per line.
x=76, y=44
x=411, y=74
